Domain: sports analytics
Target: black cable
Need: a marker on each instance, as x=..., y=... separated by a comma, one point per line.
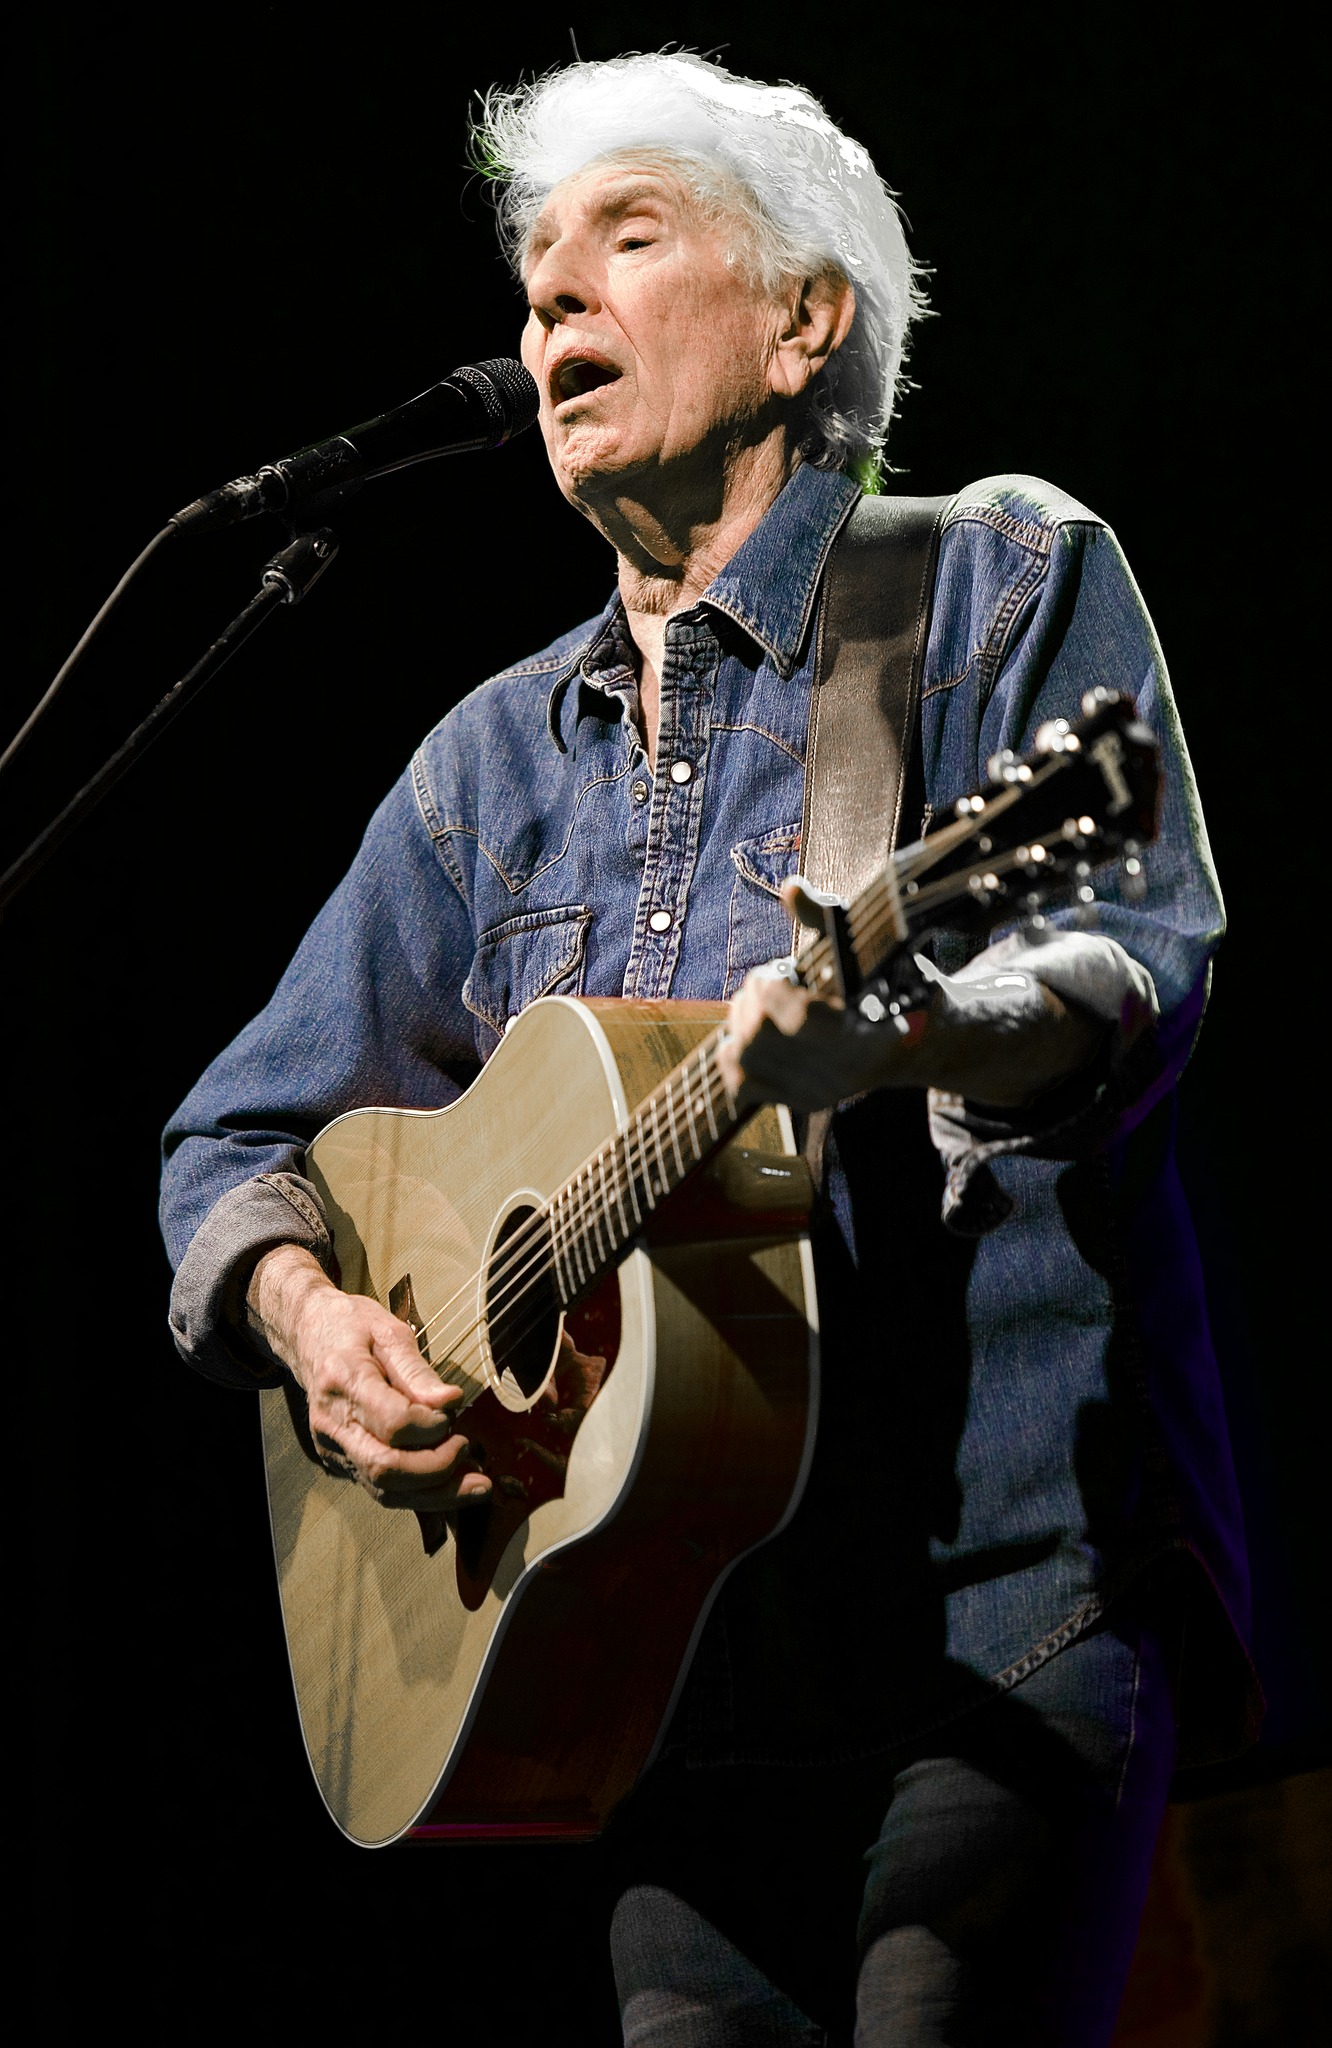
x=81, y=647
x=288, y=575
x=36, y=855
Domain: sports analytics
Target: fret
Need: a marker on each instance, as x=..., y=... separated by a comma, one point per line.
x=576, y=1237
x=877, y=920
x=599, y=1210
x=625, y=1232
x=642, y=1153
x=633, y=1183
x=588, y=1217
x=588, y=1213
x=694, y=1145
x=707, y=1072
x=670, y=1113
x=559, y=1230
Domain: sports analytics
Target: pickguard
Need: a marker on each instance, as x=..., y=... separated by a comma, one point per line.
x=526, y=1455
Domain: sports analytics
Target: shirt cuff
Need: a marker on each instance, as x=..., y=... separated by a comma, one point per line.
x=207, y=1313
x=1077, y=1113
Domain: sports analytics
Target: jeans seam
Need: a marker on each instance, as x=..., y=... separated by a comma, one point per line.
x=993, y=654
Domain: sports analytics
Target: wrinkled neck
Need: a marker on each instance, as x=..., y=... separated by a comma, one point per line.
x=670, y=551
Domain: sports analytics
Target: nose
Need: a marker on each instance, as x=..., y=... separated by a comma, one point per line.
x=558, y=286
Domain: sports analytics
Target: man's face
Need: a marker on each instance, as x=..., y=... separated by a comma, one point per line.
x=649, y=349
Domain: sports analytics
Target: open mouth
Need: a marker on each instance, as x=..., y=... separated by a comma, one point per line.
x=578, y=376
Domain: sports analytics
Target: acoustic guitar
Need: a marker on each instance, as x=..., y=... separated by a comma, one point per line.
x=625, y=1295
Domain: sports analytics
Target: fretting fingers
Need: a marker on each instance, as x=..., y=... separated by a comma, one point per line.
x=765, y=1002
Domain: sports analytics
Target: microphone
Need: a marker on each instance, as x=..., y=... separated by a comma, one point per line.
x=479, y=406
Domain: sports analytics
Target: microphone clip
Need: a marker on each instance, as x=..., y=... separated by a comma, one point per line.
x=295, y=569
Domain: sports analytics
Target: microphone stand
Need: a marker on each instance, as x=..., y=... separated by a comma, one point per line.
x=286, y=578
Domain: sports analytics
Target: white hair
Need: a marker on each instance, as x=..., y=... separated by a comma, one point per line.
x=808, y=197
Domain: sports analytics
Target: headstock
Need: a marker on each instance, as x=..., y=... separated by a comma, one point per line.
x=1088, y=792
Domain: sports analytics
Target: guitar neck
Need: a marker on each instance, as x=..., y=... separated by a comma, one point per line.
x=610, y=1201
x=1088, y=790
x=674, y=1131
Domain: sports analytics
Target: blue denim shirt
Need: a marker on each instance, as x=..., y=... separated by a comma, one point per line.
x=1016, y=1421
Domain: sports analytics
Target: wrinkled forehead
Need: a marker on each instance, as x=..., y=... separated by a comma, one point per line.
x=603, y=193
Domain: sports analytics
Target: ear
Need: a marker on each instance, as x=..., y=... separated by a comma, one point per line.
x=818, y=321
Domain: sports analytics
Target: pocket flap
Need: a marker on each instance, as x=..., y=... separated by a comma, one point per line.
x=538, y=953
x=769, y=857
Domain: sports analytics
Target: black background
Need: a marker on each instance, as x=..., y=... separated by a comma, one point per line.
x=244, y=227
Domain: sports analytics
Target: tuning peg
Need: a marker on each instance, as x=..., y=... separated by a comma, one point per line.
x=1056, y=736
x=1006, y=766
x=877, y=1008
x=1134, y=873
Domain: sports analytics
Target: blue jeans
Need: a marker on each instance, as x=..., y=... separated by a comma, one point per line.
x=997, y=1900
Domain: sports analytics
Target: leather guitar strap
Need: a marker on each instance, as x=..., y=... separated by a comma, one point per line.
x=873, y=627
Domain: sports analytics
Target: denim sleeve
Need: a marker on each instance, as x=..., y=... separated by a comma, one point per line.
x=369, y=1011
x=1037, y=611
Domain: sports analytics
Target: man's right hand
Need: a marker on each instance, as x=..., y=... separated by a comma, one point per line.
x=378, y=1413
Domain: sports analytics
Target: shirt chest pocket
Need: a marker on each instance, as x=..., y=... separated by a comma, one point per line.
x=540, y=953
x=759, y=928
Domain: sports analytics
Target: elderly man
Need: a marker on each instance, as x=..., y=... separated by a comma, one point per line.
x=938, y=1810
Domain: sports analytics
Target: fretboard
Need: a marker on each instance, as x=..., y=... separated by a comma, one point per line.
x=611, y=1198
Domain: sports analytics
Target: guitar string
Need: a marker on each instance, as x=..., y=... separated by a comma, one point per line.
x=577, y=1205
x=548, y=1247
x=546, y=1226
x=870, y=918
x=569, y=1190
x=559, y=1239
x=545, y=1237
x=543, y=1266
x=874, y=915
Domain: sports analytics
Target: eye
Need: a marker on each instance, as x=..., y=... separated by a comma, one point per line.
x=635, y=242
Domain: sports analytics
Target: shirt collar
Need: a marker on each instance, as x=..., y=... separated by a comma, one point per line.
x=600, y=649
x=771, y=583
x=769, y=587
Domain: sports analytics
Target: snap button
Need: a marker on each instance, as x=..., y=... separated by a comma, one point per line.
x=660, y=921
x=639, y=792
x=681, y=771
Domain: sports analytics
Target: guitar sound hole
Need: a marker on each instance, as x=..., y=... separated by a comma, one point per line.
x=525, y=1453
x=522, y=1307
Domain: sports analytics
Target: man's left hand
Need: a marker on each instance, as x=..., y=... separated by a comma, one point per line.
x=999, y=1041
x=785, y=1045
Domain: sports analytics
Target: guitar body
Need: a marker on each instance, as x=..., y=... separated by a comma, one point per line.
x=509, y=1672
